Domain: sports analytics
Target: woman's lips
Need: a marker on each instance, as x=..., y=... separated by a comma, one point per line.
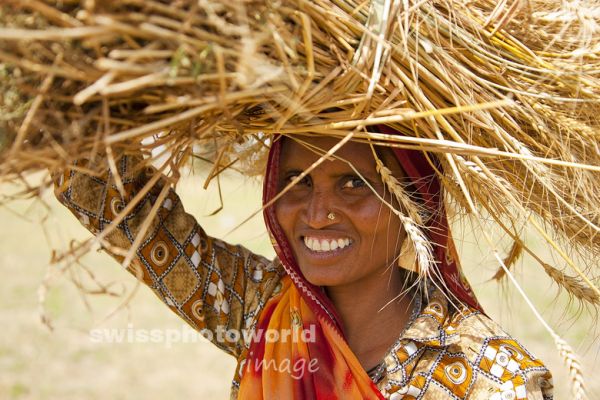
x=321, y=245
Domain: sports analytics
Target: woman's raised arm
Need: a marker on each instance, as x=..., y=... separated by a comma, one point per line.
x=209, y=283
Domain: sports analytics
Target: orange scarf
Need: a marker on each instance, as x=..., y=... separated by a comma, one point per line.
x=313, y=361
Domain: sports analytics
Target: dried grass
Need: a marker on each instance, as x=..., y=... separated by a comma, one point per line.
x=82, y=76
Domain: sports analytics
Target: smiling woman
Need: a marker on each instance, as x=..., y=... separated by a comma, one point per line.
x=378, y=326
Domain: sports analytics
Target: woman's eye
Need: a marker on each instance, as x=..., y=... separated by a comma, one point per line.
x=353, y=183
x=304, y=181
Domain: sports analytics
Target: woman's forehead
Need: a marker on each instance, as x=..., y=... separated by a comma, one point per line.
x=305, y=150
x=302, y=151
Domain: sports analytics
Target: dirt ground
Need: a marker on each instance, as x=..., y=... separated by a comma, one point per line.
x=66, y=363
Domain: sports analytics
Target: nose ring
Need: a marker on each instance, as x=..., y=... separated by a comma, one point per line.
x=331, y=216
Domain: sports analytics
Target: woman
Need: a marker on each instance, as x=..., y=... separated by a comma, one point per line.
x=333, y=316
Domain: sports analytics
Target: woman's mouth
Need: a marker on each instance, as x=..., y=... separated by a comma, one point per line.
x=323, y=245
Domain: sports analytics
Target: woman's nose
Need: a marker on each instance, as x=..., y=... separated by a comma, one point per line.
x=318, y=207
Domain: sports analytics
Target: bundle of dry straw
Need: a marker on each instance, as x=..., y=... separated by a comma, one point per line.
x=506, y=94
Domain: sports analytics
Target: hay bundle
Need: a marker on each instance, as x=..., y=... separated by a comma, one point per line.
x=507, y=94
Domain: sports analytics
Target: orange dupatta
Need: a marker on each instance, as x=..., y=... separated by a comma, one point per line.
x=313, y=362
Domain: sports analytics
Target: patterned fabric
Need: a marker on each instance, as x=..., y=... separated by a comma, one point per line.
x=450, y=354
x=209, y=283
x=212, y=285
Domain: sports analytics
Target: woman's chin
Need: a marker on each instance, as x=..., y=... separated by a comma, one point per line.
x=324, y=276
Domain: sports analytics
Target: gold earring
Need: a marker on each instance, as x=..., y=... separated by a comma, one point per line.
x=331, y=216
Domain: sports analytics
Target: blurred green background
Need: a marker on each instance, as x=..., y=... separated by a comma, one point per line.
x=64, y=363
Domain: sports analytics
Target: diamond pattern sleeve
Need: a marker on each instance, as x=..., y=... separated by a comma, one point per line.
x=217, y=288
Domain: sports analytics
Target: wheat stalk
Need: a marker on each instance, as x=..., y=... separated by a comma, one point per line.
x=566, y=352
x=574, y=366
x=420, y=243
x=407, y=205
x=572, y=285
x=410, y=217
x=513, y=255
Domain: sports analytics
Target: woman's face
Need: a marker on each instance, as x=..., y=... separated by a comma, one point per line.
x=364, y=238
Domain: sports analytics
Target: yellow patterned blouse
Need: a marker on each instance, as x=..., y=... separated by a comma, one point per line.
x=443, y=354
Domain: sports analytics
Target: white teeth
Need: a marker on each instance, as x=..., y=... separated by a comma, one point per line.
x=325, y=245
